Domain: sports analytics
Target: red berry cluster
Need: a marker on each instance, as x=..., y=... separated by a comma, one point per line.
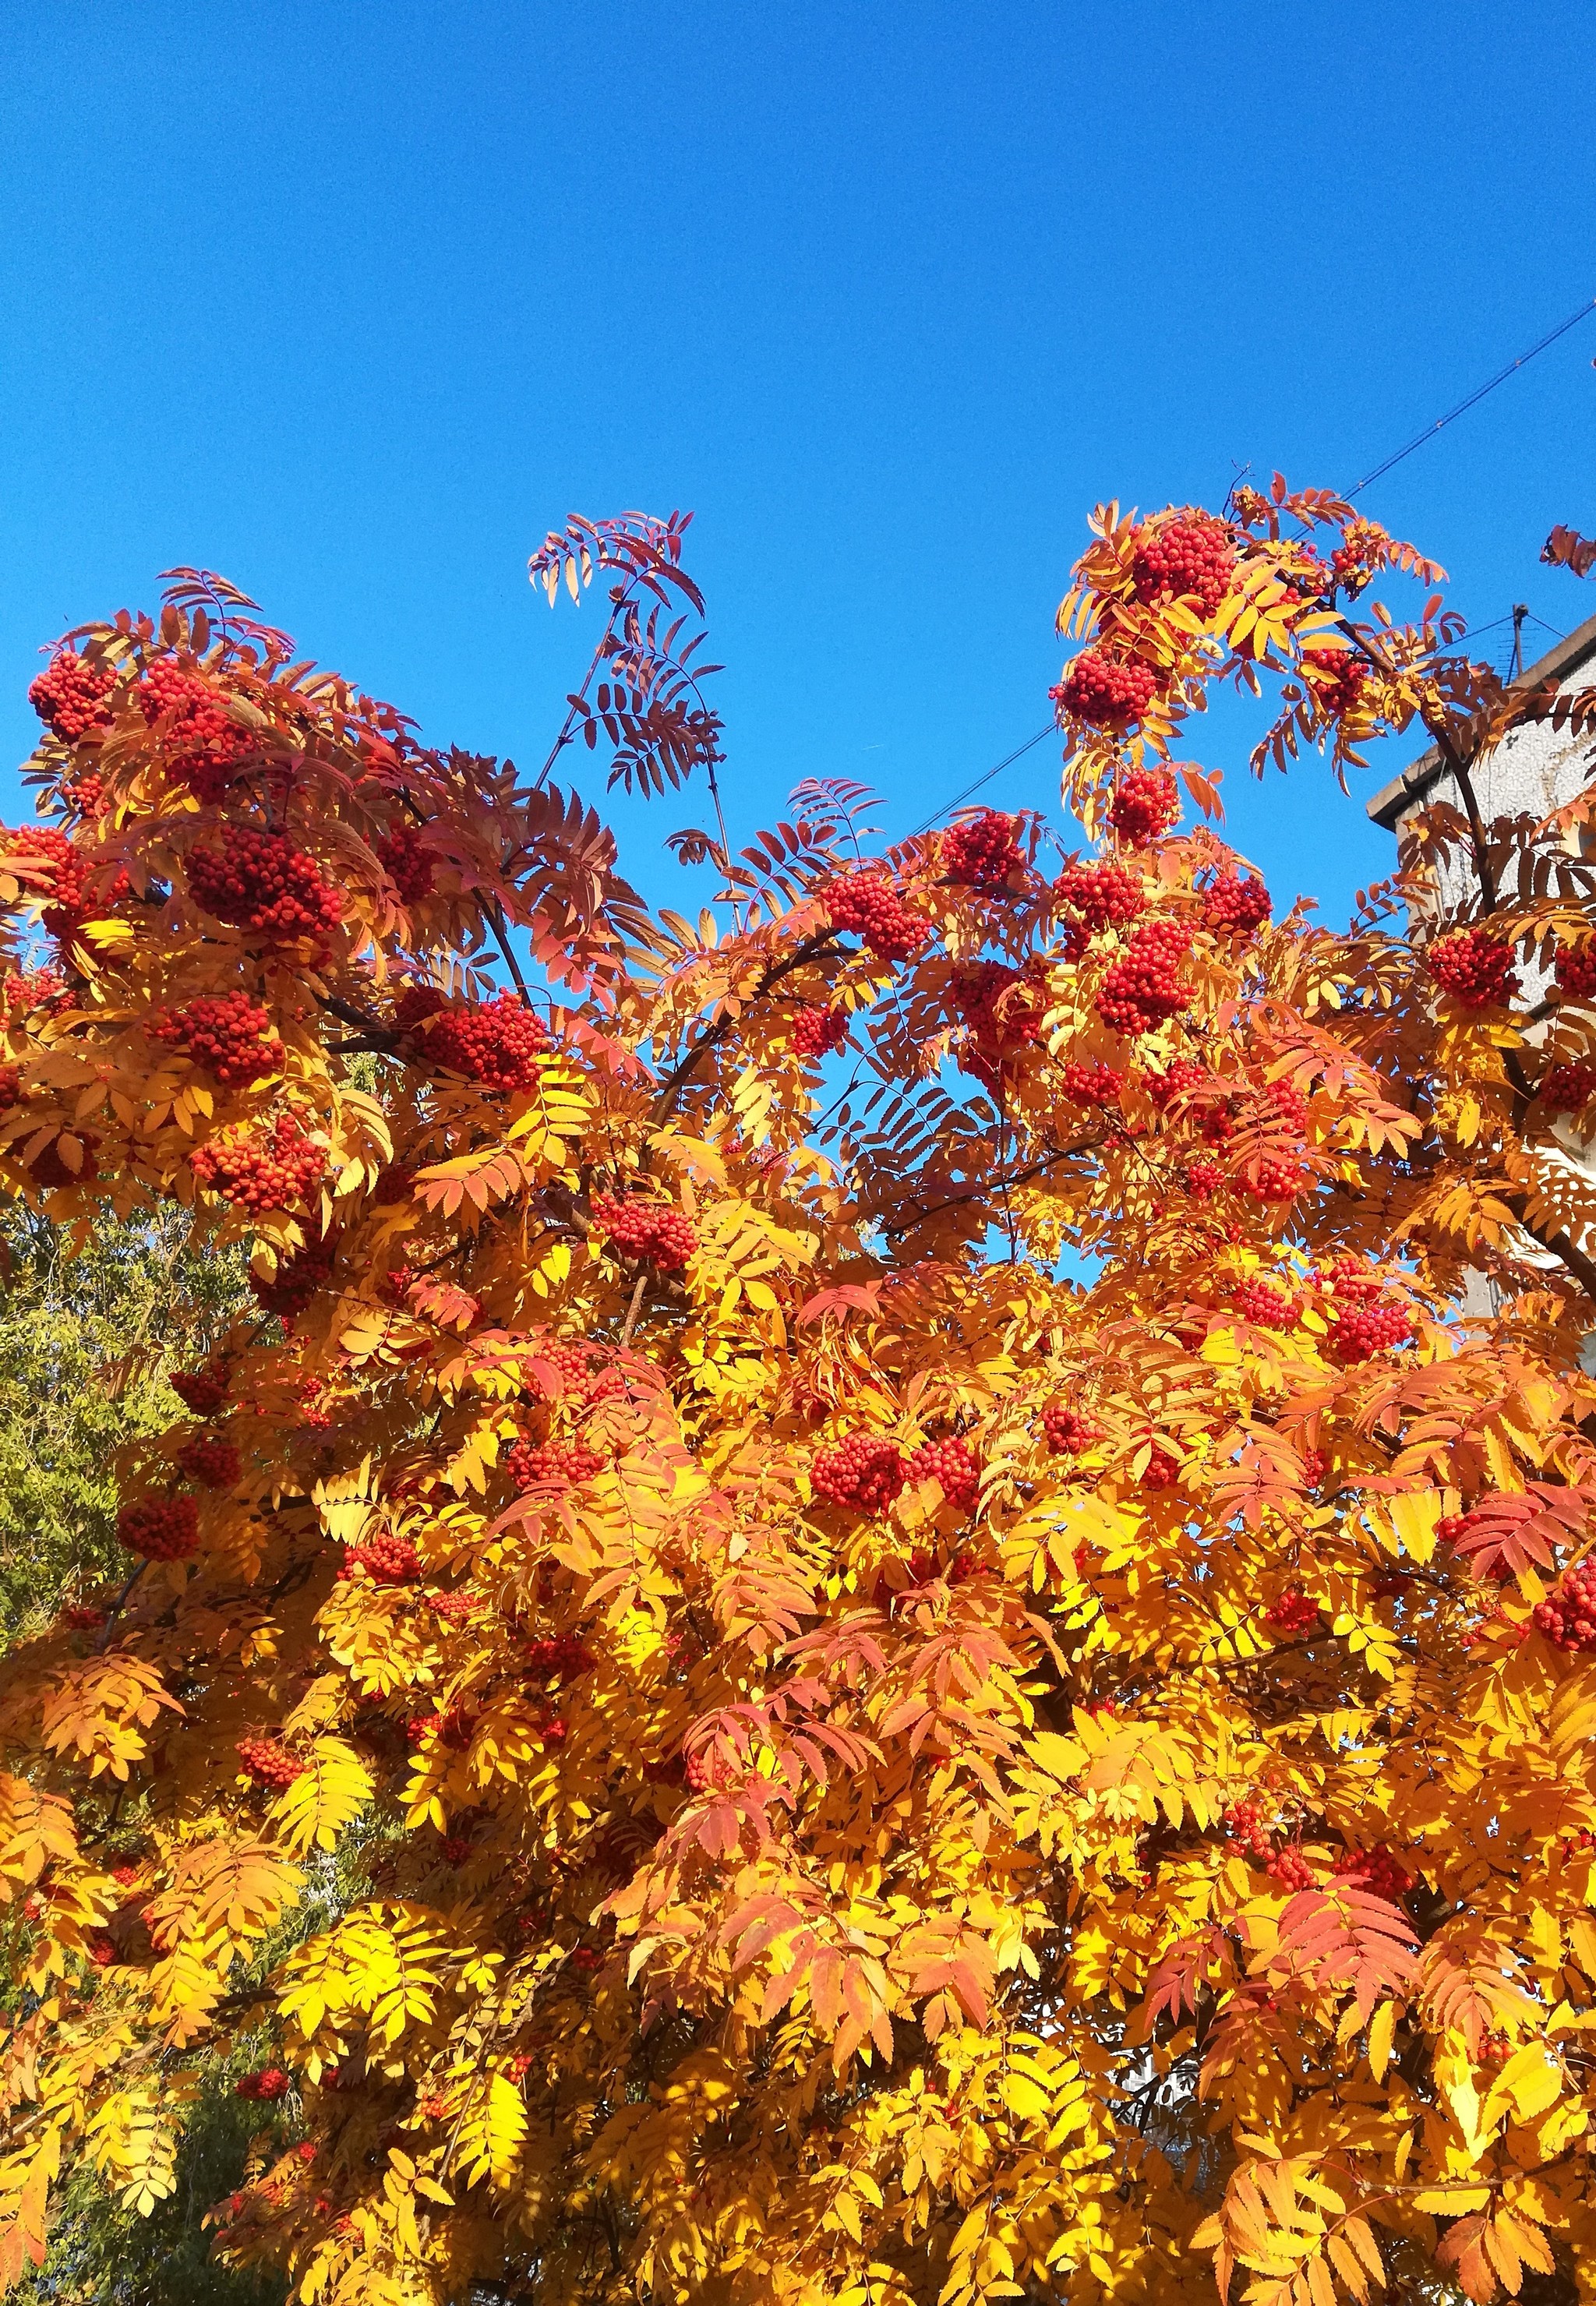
x=269, y=1762
x=1105, y=896
x=1106, y=692
x=868, y=905
x=1290, y=1869
x=574, y=1365
x=1236, y=908
x=161, y=1529
x=1145, y=803
x=202, y=1391
x=1177, y=1079
x=496, y=1043
x=85, y=792
x=1261, y=1303
x=816, y=1032
x=1185, y=560
x=652, y=1232
x=262, y=883
x=11, y=1087
x=71, y=695
x=270, y=2082
x=223, y=1036
x=983, y=850
x=864, y=1471
x=454, y=1608
x=69, y=898
x=1377, y=1870
x=409, y=866
x=1359, y=1332
x=1139, y=991
x=296, y=1279
x=557, y=1657
x=1361, y=555
x=1244, y=1823
x=277, y=1171
x=1277, y=1179
x=83, y=1617
x=50, y=1169
x=393, y=1186
x=1475, y=967
x=1067, y=1430
x=1352, y=1279
x=1336, y=679
x=1096, y=1085
x=1292, y=1612
x=1568, y=1088
x=533, y=1465
x=1576, y=973
x=949, y=1462
x=1163, y=1470
x=386, y=1560
x=206, y=745
x=1567, y=1615
x=1203, y=1180
x=456, y=1850
x=1002, y=1019
x=212, y=1459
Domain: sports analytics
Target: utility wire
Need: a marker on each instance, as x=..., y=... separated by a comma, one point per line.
x=1007, y=762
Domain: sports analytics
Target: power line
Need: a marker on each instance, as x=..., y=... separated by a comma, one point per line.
x=1007, y=762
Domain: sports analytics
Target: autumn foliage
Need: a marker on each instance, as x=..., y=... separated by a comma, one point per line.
x=884, y=1528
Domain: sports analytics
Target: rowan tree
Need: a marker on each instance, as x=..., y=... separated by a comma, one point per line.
x=710, y=1723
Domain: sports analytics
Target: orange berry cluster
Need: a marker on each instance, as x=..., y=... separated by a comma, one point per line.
x=212, y=1459
x=201, y=1391
x=409, y=866
x=1139, y=991
x=11, y=1087
x=1244, y=1823
x=1362, y=552
x=1105, y=896
x=270, y=2082
x=531, y=1464
x=277, y=1171
x=207, y=745
x=161, y=1529
x=1236, y=908
x=1106, y=692
x=1185, y=560
x=1145, y=803
x=1567, y=1615
x=296, y=1280
x=387, y=1560
x=70, y=898
x=816, y=1032
x=557, y=1657
x=983, y=850
x=269, y=1762
x=1475, y=967
x=1290, y=1869
x=574, y=1366
x=1177, y=1079
x=1378, y=1870
x=864, y=1471
x=1067, y=1430
x=260, y=883
x=496, y=1043
x=1336, y=679
x=1163, y=1470
x=1359, y=1332
x=71, y=695
x=950, y=1463
x=652, y=1232
x=1095, y=1085
x=223, y=1036
x=1576, y=973
x=1261, y=1303
x=1277, y=1179
x=868, y=906
x=1000, y=1018
x=1292, y=1612
x=1568, y=1088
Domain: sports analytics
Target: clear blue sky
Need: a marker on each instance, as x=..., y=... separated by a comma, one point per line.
x=353, y=303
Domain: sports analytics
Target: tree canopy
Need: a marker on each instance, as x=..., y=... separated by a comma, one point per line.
x=885, y=1594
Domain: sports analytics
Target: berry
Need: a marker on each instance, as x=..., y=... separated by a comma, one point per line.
x=102, y=1953
x=1336, y=679
x=1358, y=1332
x=270, y=2082
x=1376, y=1870
x=1139, y=991
x=277, y=1171
x=269, y=1762
x=296, y=1279
x=223, y=1036
x=71, y=902
x=1003, y=1008
x=1235, y=907
x=83, y=1617
x=206, y=746
x=1204, y=1179
x=816, y=1032
x=1362, y=554
x=1260, y=1302
x=1292, y=1612
x=262, y=883
x=496, y=1043
x=70, y=695
x=1290, y=1869
x=531, y=1466
x=124, y=1875
x=201, y=1391
x=1289, y=1103
x=161, y=1529
x=1355, y=1281
x=1106, y=692
x=652, y=1232
x=950, y=1463
x=1475, y=967
x=1244, y=1823
x=1184, y=560
x=212, y=1459
x=869, y=906
x=1068, y=1430
x=865, y=1472
x=1145, y=803
x=1163, y=1470
x=982, y=850
x=22, y=991
x=49, y=1168
x=556, y=1658
x=1178, y=1079
x=1567, y=1089
x=11, y=1087
x=1567, y=1615
x=1576, y=973
x=1105, y=896
x=1096, y=1085
x=456, y=1848
x=408, y=864
x=393, y=1186
x=387, y=1561
x=1277, y=1179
